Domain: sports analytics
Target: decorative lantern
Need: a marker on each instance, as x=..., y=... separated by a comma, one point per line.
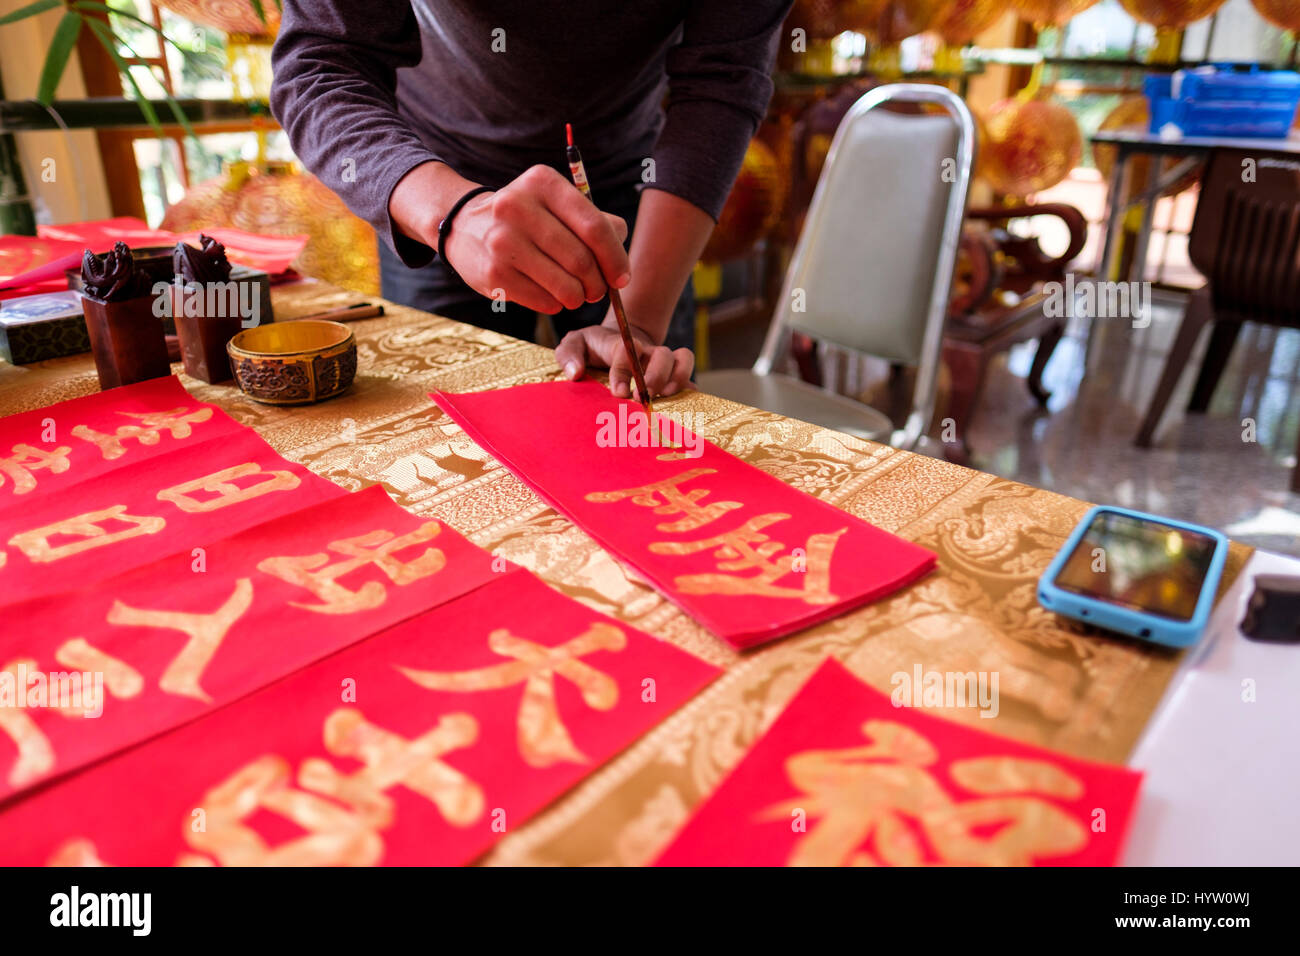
x=893, y=21
x=232, y=16
x=1170, y=14
x=1050, y=13
x=1133, y=112
x=279, y=200
x=969, y=18
x=1280, y=13
x=752, y=208
x=819, y=19
x=1031, y=145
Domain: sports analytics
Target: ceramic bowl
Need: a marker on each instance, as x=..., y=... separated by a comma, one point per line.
x=294, y=363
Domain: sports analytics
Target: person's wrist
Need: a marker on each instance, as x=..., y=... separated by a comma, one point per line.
x=422, y=198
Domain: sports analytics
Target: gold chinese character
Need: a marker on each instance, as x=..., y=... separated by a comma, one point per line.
x=121, y=679
x=35, y=755
x=884, y=794
x=177, y=423
x=747, y=548
x=222, y=485
x=668, y=499
x=205, y=631
x=314, y=573
x=25, y=459
x=543, y=738
x=335, y=836
x=76, y=852
x=36, y=543
x=390, y=760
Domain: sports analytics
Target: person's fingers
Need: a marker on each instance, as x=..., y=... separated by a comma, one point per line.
x=570, y=254
x=618, y=224
x=683, y=366
x=571, y=354
x=524, y=291
x=585, y=221
x=537, y=265
x=658, y=367
x=620, y=378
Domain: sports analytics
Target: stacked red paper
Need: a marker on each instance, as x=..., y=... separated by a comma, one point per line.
x=171, y=591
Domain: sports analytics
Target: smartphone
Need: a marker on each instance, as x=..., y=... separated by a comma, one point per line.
x=1142, y=575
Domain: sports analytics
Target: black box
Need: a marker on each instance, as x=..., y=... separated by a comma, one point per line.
x=45, y=326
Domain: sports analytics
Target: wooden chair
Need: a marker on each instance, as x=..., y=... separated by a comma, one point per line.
x=1245, y=239
x=980, y=326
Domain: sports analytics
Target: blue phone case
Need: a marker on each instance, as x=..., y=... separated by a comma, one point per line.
x=1147, y=627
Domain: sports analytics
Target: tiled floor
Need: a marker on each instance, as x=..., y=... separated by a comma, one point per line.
x=1200, y=470
x=1101, y=377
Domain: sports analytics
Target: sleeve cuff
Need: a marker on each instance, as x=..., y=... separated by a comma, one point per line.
x=700, y=151
x=413, y=253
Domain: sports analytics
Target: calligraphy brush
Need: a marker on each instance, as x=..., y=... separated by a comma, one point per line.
x=579, y=174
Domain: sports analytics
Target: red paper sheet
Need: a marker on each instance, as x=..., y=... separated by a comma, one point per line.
x=48, y=450
x=178, y=637
x=114, y=487
x=845, y=778
x=29, y=265
x=422, y=745
x=742, y=552
x=271, y=254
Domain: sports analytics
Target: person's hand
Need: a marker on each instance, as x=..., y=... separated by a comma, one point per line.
x=667, y=371
x=538, y=242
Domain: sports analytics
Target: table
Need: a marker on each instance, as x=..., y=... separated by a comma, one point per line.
x=1193, y=149
x=1060, y=687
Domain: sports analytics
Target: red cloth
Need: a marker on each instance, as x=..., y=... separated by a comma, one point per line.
x=32, y=264
x=844, y=777
x=725, y=543
x=357, y=759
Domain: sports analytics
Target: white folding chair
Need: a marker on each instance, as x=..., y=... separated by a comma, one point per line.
x=872, y=271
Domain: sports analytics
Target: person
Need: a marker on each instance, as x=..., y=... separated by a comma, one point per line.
x=412, y=110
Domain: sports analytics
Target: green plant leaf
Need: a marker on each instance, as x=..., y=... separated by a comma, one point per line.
x=89, y=5
x=56, y=58
x=109, y=41
x=259, y=10
x=31, y=10
x=181, y=119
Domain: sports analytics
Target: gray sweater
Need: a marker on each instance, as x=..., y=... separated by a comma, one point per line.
x=369, y=89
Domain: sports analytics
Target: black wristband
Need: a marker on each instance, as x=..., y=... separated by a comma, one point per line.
x=444, y=227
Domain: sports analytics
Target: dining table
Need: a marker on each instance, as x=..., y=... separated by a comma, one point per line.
x=1063, y=686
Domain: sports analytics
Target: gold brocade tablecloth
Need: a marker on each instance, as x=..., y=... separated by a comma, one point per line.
x=1060, y=687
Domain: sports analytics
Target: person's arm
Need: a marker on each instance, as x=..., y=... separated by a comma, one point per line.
x=333, y=92
x=719, y=80
x=536, y=241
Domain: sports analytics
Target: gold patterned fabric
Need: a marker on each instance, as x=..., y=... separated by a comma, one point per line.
x=1061, y=687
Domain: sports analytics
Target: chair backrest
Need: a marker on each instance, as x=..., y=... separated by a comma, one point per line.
x=1246, y=234
x=872, y=270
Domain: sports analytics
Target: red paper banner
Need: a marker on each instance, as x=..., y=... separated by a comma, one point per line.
x=742, y=552
x=422, y=745
x=173, y=639
x=93, y=487
x=48, y=450
x=845, y=778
